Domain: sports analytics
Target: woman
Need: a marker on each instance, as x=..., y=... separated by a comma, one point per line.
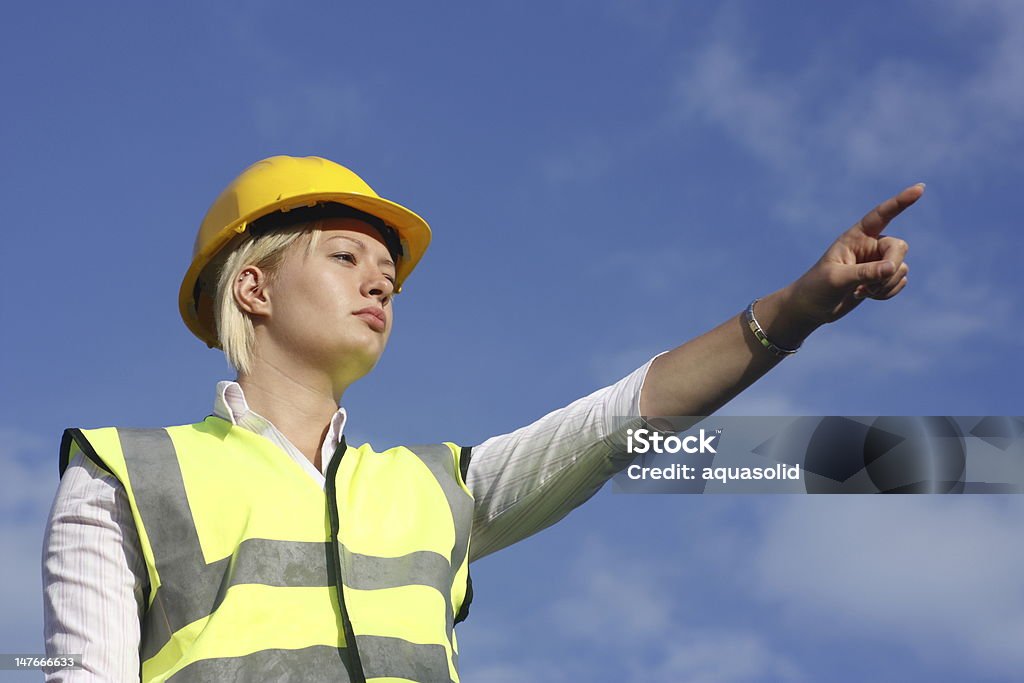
x=258, y=545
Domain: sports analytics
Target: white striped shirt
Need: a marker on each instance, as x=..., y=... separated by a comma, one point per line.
x=94, y=574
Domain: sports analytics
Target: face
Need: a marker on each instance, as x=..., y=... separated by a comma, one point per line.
x=329, y=307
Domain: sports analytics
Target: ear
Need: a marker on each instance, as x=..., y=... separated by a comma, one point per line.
x=251, y=293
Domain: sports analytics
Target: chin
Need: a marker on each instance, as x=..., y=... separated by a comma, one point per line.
x=356, y=363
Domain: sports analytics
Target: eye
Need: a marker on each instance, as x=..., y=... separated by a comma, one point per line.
x=344, y=256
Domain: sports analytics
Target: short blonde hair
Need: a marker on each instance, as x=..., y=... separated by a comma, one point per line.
x=235, y=329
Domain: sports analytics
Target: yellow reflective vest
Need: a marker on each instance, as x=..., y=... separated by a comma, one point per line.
x=256, y=573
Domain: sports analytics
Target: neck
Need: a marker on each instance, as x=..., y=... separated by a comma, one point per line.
x=299, y=404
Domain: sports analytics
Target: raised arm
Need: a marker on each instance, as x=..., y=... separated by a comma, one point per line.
x=705, y=373
x=529, y=479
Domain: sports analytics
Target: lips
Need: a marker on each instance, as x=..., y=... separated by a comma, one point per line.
x=374, y=317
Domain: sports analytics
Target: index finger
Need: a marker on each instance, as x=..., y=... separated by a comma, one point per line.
x=875, y=221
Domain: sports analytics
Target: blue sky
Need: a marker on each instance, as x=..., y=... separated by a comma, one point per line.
x=605, y=180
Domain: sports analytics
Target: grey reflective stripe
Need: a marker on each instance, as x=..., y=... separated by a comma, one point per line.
x=368, y=572
x=281, y=563
x=439, y=459
x=317, y=664
x=401, y=659
x=441, y=462
x=190, y=589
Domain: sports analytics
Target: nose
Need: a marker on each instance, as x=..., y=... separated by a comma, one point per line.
x=377, y=285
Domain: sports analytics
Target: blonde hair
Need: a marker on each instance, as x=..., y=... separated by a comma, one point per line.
x=235, y=329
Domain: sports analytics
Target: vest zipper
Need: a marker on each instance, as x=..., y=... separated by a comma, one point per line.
x=332, y=505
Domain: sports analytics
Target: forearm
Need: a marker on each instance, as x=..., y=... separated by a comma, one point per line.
x=707, y=372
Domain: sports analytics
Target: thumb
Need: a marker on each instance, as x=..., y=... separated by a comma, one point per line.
x=866, y=273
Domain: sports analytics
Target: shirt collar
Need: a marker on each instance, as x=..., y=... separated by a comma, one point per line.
x=229, y=404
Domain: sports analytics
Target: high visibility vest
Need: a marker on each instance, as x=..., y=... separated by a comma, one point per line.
x=257, y=573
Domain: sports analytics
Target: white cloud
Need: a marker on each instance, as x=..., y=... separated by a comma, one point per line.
x=601, y=602
x=827, y=118
x=998, y=83
x=21, y=627
x=638, y=600
x=31, y=479
x=727, y=657
x=938, y=573
x=719, y=86
x=830, y=125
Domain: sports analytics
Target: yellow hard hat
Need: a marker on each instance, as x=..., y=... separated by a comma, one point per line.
x=281, y=184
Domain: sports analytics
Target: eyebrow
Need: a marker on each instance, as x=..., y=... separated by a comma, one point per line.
x=362, y=246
